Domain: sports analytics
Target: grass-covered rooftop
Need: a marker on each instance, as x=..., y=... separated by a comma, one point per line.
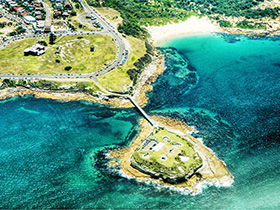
x=166, y=154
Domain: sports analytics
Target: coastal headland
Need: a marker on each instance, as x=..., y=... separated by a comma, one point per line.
x=102, y=96
x=212, y=170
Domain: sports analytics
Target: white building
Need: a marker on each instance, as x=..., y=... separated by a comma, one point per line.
x=38, y=13
x=28, y=19
x=36, y=50
x=40, y=24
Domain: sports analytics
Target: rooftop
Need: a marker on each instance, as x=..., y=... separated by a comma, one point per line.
x=36, y=49
x=166, y=154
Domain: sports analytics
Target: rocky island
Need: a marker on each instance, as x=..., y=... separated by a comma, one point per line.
x=166, y=155
x=169, y=156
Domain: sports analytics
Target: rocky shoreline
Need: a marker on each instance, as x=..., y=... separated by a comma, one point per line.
x=148, y=76
x=250, y=32
x=59, y=95
x=214, y=171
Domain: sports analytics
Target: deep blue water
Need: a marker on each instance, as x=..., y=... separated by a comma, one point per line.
x=227, y=87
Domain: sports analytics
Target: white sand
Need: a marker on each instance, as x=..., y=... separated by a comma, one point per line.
x=191, y=26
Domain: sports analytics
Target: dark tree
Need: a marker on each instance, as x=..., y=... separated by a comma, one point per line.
x=52, y=38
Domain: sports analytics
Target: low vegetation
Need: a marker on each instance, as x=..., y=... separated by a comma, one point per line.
x=119, y=79
x=112, y=15
x=166, y=154
x=17, y=31
x=78, y=6
x=84, y=86
x=4, y=23
x=224, y=23
x=76, y=23
x=138, y=13
x=141, y=63
x=66, y=51
x=250, y=25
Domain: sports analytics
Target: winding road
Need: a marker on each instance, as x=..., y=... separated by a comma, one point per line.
x=107, y=30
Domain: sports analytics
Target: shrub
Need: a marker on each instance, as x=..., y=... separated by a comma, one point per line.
x=8, y=83
x=81, y=86
x=68, y=68
x=43, y=43
x=52, y=38
x=224, y=23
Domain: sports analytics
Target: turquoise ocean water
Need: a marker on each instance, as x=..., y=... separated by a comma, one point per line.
x=227, y=87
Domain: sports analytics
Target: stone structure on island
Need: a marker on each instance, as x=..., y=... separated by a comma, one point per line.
x=167, y=156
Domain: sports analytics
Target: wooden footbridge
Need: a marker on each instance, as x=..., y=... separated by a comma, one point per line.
x=128, y=97
x=141, y=110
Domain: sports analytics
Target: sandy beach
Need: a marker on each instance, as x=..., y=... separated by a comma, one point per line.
x=192, y=26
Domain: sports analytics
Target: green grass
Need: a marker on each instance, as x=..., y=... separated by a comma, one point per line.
x=112, y=15
x=138, y=49
x=169, y=167
x=90, y=85
x=117, y=79
x=250, y=25
x=84, y=86
x=69, y=50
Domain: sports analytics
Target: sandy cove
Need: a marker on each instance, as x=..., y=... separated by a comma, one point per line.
x=214, y=171
x=200, y=26
x=192, y=26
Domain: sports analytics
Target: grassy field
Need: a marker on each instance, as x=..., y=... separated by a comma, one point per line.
x=68, y=51
x=118, y=79
x=171, y=159
x=88, y=85
x=85, y=86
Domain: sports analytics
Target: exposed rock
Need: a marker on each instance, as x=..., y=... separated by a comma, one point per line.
x=213, y=170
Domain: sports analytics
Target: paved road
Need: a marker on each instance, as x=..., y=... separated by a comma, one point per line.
x=59, y=33
x=48, y=12
x=107, y=30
